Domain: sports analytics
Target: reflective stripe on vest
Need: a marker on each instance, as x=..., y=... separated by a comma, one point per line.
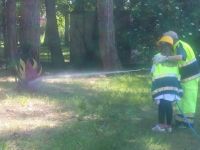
x=166, y=85
x=169, y=89
x=166, y=75
x=165, y=69
x=166, y=81
x=189, y=69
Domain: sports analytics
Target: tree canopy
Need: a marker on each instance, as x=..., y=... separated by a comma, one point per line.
x=73, y=35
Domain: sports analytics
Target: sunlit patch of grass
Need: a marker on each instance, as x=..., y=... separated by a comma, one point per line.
x=27, y=114
x=126, y=83
x=156, y=144
x=126, y=87
x=22, y=100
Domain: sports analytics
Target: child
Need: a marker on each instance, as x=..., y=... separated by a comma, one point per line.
x=165, y=85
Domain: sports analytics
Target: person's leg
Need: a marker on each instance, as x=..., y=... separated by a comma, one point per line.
x=169, y=113
x=161, y=112
x=187, y=105
x=161, y=118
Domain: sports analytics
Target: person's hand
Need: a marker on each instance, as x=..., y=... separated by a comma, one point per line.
x=153, y=68
x=159, y=59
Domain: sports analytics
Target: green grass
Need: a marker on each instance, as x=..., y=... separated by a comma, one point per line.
x=101, y=113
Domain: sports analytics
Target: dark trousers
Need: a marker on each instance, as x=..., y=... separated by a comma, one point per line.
x=165, y=110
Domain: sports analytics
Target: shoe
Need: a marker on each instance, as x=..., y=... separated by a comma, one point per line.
x=157, y=128
x=168, y=129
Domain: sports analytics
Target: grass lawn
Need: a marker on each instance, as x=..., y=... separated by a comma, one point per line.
x=86, y=113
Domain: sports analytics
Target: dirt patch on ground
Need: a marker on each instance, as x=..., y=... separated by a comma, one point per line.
x=21, y=119
x=18, y=118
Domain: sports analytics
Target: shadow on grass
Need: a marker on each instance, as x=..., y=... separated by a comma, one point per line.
x=107, y=119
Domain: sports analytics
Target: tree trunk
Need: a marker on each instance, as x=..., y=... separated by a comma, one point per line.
x=30, y=29
x=107, y=46
x=4, y=29
x=10, y=32
x=83, y=40
x=77, y=48
x=52, y=35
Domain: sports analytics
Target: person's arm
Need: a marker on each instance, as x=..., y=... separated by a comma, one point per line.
x=180, y=54
x=175, y=58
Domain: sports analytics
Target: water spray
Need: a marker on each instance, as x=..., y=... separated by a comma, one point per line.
x=87, y=74
x=65, y=75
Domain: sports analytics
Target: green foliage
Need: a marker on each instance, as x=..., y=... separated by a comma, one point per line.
x=149, y=19
x=84, y=5
x=139, y=24
x=61, y=24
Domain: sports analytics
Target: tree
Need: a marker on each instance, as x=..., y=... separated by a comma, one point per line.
x=10, y=34
x=30, y=29
x=83, y=35
x=52, y=35
x=122, y=22
x=107, y=46
x=2, y=4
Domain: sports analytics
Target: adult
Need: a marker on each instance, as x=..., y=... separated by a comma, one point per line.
x=190, y=72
